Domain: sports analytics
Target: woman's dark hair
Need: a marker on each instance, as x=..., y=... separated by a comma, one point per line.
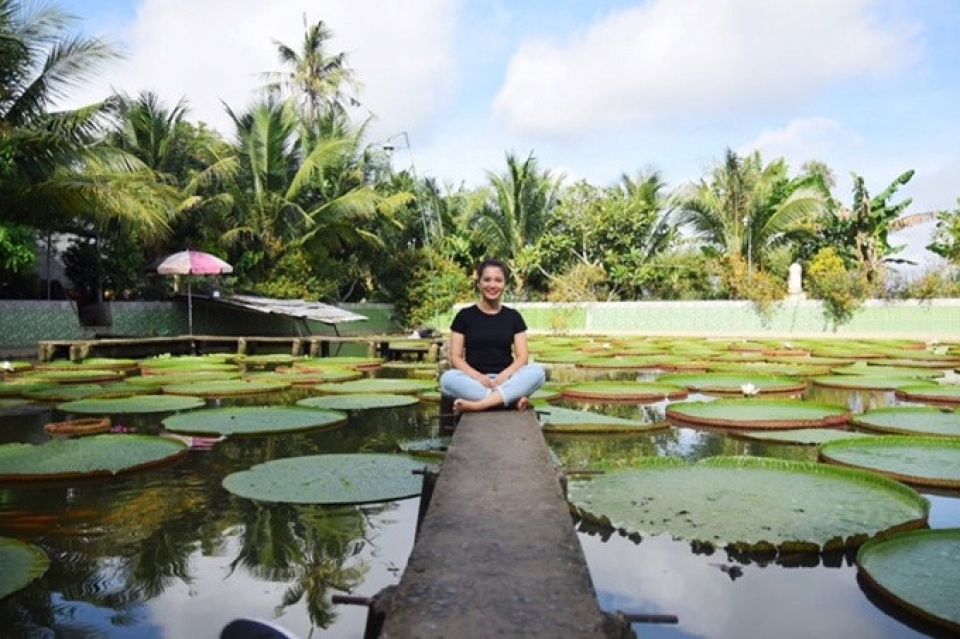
x=494, y=263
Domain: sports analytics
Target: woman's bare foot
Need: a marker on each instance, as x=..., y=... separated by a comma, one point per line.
x=466, y=406
x=523, y=404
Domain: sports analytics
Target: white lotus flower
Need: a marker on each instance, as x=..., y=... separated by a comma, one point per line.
x=749, y=389
x=6, y=366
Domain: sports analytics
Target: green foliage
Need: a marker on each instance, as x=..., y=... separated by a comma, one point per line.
x=841, y=291
x=296, y=276
x=437, y=283
x=763, y=290
x=946, y=237
x=18, y=253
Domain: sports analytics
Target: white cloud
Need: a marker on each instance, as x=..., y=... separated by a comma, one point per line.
x=803, y=139
x=670, y=58
x=213, y=52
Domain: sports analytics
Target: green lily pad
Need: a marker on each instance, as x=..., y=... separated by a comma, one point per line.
x=361, y=363
x=252, y=420
x=567, y=420
x=329, y=479
x=378, y=386
x=623, y=363
x=624, y=391
x=102, y=363
x=175, y=376
x=919, y=570
x=79, y=376
x=729, y=383
x=911, y=420
x=802, y=436
x=63, y=393
x=20, y=564
x=269, y=359
x=227, y=387
x=931, y=393
x=759, y=413
x=871, y=370
x=86, y=456
x=788, y=369
x=296, y=377
x=923, y=461
x=432, y=396
x=358, y=401
x=866, y=382
x=185, y=364
x=18, y=387
x=135, y=404
x=749, y=503
x=114, y=390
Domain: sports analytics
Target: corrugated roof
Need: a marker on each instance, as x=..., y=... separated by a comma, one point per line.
x=317, y=311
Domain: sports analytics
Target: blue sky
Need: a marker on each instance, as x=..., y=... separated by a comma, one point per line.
x=593, y=88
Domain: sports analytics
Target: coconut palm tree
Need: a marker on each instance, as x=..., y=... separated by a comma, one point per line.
x=746, y=208
x=55, y=172
x=515, y=214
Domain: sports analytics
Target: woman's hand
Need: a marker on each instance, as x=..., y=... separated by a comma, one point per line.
x=486, y=381
x=500, y=379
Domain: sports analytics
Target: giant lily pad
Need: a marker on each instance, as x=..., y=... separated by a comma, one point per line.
x=175, y=376
x=635, y=362
x=100, y=363
x=924, y=461
x=867, y=382
x=251, y=420
x=377, y=386
x=79, y=376
x=226, y=387
x=749, y=502
x=568, y=420
x=919, y=570
x=86, y=457
x=931, y=393
x=18, y=387
x=624, y=391
x=361, y=363
x=329, y=479
x=872, y=370
x=758, y=413
x=358, y=401
x=63, y=393
x=296, y=377
x=135, y=404
x=801, y=436
x=734, y=383
x=20, y=564
x=911, y=420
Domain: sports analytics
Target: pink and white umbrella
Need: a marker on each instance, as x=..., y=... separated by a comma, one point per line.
x=192, y=263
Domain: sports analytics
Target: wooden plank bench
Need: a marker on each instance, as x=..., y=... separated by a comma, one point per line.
x=497, y=554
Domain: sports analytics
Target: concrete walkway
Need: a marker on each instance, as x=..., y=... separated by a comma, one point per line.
x=497, y=554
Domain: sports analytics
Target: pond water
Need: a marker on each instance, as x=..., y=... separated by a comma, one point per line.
x=168, y=553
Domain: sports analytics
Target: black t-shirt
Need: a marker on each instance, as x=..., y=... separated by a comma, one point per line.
x=488, y=339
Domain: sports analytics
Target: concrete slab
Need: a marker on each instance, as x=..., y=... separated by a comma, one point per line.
x=497, y=554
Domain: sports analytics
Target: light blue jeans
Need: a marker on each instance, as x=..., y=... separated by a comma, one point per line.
x=523, y=383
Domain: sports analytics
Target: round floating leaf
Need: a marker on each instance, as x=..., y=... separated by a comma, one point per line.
x=568, y=420
x=803, y=436
x=749, y=502
x=789, y=369
x=378, y=386
x=20, y=564
x=102, y=363
x=729, y=383
x=358, y=401
x=18, y=387
x=79, y=376
x=872, y=370
x=623, y=362
x=624, y=391
x=116, y=390
x=361, y=363
x=251, y=420
x=758, y=413
x=270, y=359
x=175, y=376
x=931, y=393
x=86, y=456
x=227, y=387
x=866, y=382
x=911, y=420
x=135, y=404
x=329, y=479
x=924, y=461
x=296, y=377
x=433, y=396
x=919, y=570
x=64, y=393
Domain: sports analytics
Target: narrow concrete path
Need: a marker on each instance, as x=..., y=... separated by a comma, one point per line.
x=497, y=554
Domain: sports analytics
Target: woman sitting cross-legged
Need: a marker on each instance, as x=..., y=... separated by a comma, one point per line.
x=488, y=350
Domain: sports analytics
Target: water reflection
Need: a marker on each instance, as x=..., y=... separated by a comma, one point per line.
x=168, y=553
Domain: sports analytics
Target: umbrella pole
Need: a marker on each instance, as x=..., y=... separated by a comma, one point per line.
x=189, y=307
